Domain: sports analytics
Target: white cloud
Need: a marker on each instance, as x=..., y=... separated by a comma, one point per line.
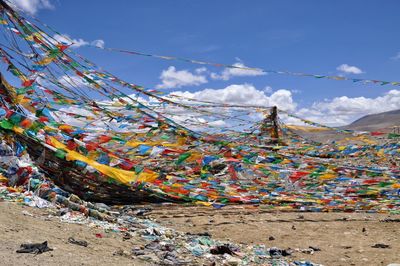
x=32, y=6
x=334, y=112
x=243, y=94
x=71, y=120
x=268, y=89
x=228, y=73
x=72, y=81
x=344, y=110
x=76, y=43
x=200, y=70
x=337, y=111
x=232, y=118
x=172, y=78
x=349, y=69
x=98, y=43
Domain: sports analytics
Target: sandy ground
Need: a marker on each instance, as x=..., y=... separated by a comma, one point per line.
x=340, y=236
x=17, y=228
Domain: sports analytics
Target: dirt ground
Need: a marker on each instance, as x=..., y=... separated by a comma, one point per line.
x=17, y=228
x=340, y=236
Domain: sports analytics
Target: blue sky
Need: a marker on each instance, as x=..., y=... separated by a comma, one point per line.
x=306, y=36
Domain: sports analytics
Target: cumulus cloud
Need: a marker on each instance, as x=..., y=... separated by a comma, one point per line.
x=76, y=43
x=228, y=73
x=337, y=111
x=243, y=94
x=32, y=6
x=172, y=78
x=232, y=118
x=345, y=68
x=344, y=110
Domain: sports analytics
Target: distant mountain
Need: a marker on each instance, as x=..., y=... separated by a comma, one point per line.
x=377, y=122
x=382, y=122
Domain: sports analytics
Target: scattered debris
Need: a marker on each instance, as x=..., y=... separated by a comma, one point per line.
x=26, y=213
x=280, y=252
x=126, y=236
x=82, y=243
x=121, y=252
x=314, y=248
x=380, y=245
x=390, y=220
x=220, y=250
x=34, y=248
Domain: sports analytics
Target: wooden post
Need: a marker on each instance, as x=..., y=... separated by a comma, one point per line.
x=274, y=129
x=270, y=126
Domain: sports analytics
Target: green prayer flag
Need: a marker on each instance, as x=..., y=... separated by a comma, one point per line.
x=183, y=157
x=6, y=124
x=60, y=154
